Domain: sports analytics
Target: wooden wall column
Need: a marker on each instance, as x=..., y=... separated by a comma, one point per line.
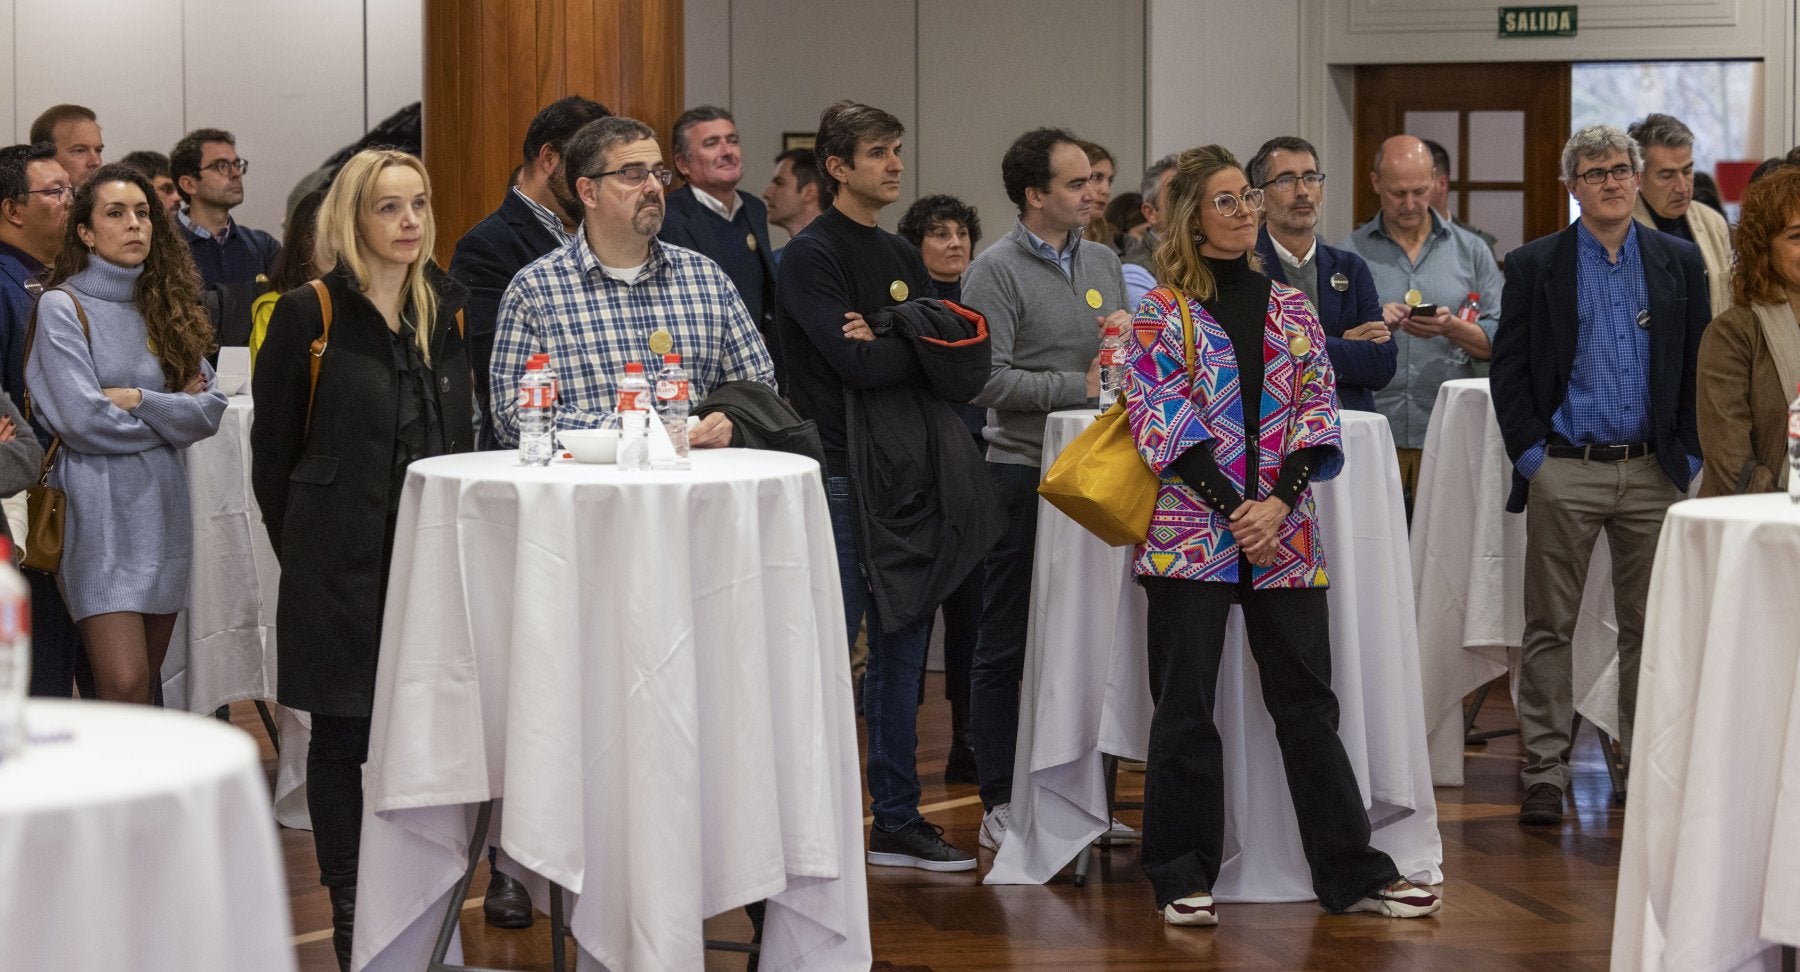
x=489, y=67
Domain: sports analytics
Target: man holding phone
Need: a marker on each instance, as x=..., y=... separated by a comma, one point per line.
x=1423, y=272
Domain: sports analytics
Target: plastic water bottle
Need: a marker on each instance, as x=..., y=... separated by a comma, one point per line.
x=537, y=415
x=1794, y=449
x=672, y=403
x=15, y=653
x=1112, y=364
x=1471, y=308
x=634, y=419
x=555, y=387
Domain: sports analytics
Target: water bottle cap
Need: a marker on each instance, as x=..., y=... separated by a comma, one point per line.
x=5, y=549
x=633, y=367
x=534, y=364
x=671, y=358
x=540, y=356
x=1474, y=295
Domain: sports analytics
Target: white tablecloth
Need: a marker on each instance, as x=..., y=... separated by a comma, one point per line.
x=1709, y=876
x=1086, y=691
x=223, y=649
x=134, y=838
x=1468, y=574
x=650, y=668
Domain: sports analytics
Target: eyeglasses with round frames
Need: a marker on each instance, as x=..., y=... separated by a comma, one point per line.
x=1227, y=203
x=229, y=167
x=634, y=175
x=1285, y=183
x=52, y=194
x=1595, y=177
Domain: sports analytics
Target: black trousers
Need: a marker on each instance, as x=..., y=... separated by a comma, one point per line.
x=1184, y=788
x=58, y=658
x=340, y=745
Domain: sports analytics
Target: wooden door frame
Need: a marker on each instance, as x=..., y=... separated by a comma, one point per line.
x=1385, y=92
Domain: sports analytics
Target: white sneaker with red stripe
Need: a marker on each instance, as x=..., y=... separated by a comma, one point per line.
x=1194, y=909
x=1400, y=899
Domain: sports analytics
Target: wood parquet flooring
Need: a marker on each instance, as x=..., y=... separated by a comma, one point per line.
x=1515, y=899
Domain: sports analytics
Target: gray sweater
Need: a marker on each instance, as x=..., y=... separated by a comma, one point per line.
x=128, y=534
x=1043, y=335
x=20, y=458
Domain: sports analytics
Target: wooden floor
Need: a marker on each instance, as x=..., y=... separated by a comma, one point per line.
x=1514, y=898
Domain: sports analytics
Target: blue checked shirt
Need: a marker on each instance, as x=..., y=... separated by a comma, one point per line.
x=1608, y=401
x=592, y=324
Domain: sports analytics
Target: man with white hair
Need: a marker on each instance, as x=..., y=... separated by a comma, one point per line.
x=1593, y=382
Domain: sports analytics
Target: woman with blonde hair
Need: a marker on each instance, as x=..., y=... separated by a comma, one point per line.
x=1238, y=429
x=115, y=364
x=329, y=461
x=1749, y=367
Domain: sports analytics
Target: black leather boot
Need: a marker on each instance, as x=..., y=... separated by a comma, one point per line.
x=343, y=920
x=507, y=904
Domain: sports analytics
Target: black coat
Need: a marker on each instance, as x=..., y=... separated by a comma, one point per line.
x=684, y=224
x=1534, y=348
x=327, y=497
x=925, y=504
x=486, y=259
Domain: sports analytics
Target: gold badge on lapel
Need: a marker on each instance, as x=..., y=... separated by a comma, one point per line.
x=1339, y=282
x=661, y=341
x=750, y=241
x=1093, y=298
x=898, y=290
x=1414, y=298
x=1299, y=346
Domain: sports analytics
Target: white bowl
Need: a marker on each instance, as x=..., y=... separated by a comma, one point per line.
x=591, y=445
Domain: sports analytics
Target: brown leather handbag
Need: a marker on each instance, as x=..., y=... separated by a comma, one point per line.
x=45, y=506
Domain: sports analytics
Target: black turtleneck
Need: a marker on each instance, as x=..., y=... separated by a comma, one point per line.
x=1240, y=305
x=1674, y=226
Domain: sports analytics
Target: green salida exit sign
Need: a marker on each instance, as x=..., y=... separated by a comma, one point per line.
x=1537, y=21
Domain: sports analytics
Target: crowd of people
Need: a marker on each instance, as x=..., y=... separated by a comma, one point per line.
x=1645, y=345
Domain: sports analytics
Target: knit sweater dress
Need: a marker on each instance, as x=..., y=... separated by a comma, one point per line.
x=128, y=537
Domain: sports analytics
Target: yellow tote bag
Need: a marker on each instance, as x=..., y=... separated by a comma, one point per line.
x=1101, y=481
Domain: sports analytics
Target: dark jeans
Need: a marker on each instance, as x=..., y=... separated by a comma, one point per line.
x=58, y=659
x=962, y=631
x=891, y=684
x=1000, y=656
x=340, y=746
x=1184, y=787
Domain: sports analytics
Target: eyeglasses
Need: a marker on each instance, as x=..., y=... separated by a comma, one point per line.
x=226, y=167
x=1227, y=204
x=634, y=175
x=1595, y=177
x=59, y=192
x=1285, y=183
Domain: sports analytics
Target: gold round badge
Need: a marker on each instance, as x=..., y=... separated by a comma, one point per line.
x=1093, y=298
x=1414, y=298
x=898, y=290
x=750, y=241
x=1299, y=346
x=662, y=341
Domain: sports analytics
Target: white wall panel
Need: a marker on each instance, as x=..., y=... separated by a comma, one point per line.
x=706, y=49
x=8, y=109
x=994, y=69
x=791, y=58
x=292, y=97
x=1223, y=72
x=123, y=60
x=396, y=56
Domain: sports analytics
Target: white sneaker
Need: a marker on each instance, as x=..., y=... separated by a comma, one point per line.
x=1195, y=910
x=993, y=826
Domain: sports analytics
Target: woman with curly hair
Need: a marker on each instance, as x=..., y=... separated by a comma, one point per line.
x=1750, y=355
x=116, y=366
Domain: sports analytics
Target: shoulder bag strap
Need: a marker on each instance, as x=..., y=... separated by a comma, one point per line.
x=87, y=335
x=318, y=345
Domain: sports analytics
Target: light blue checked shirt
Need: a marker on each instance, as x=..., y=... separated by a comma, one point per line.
x=591, y=324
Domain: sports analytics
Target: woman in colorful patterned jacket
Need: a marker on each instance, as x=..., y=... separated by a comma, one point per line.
x=1235, y=522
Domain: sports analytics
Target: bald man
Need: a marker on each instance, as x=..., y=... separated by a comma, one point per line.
x=1423, y=272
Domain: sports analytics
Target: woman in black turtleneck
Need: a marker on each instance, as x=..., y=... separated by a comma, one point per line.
x=1237, y=443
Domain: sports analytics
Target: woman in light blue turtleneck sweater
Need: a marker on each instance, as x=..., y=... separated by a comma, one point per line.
x=123, y=397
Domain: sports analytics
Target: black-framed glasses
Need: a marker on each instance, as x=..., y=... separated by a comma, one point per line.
x=634, y=175
x=229, y=167
x=53, y=194
x=1285, y=183
x=1595, y=177
x=1227, y=203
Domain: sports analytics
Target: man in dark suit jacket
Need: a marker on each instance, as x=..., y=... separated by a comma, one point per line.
x=1593, y=383
x=710, y=215
x=537, y=216
x=1337, y=281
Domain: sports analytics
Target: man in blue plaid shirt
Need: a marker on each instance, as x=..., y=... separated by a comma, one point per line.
x=616, y=294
